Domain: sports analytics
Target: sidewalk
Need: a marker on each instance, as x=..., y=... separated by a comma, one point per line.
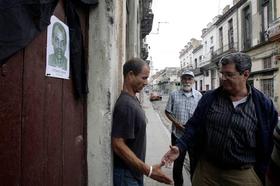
x=158, y=141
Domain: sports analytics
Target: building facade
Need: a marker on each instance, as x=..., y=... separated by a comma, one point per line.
x=117, y=32
x=249, y=26
x=166, y=80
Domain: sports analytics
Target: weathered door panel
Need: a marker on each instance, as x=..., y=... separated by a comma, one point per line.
x=41, y=123
x=10, y=120
x=34, y=141
x=73, y=139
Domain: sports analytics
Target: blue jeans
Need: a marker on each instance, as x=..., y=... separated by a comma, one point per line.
x=123, y=177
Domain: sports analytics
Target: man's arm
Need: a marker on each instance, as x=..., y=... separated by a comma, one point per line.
x=177, y=124
x=193, y=125
x=123, y=151
x=170, y=156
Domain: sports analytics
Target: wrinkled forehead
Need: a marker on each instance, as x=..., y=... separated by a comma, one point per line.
x=229, y=59
x=59, y=31
x=60, y=36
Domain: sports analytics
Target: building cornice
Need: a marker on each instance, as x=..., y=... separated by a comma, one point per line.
x=230, y=12
x=264, y=71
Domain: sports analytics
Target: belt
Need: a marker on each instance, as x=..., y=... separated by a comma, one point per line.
x=243, y=167
x=224, y=166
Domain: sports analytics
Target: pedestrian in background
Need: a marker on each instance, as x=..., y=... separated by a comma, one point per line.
x=129, y=130
x=180, y=107
x=230, y=133
x=273, y=173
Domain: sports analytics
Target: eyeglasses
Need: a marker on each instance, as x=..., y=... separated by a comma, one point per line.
x=229, y=75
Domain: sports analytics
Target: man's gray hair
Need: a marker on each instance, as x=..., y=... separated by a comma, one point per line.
x=241, y=60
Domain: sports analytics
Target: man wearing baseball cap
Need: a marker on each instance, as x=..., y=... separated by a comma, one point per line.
x=180, y=107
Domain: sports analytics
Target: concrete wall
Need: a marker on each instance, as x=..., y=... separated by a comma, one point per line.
x=114, y=36
x=257, y=64
x=133, y=43
x=106, y=55
x=277, y=8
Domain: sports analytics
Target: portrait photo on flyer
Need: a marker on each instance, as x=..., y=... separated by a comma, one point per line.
x=57, y=54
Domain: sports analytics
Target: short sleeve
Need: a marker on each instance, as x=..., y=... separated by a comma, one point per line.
x=169, y=105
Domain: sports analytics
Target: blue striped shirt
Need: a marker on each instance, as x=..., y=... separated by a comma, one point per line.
x=231, y=132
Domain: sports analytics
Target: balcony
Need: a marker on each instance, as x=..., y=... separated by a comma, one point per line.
x=147, y=18
x=226, y=49
x=273, y=32
x=145, y=51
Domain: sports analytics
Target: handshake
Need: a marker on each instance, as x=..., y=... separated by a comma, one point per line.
x=155, y=170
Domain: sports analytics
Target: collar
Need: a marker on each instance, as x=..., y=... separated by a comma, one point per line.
x=222, y=92
x=186, y=93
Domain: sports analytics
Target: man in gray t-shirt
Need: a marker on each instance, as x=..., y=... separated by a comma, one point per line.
x=129, y=130
x=129, y=122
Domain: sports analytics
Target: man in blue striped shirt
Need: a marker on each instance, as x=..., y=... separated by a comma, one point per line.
x=180, y=107
x=229, y=136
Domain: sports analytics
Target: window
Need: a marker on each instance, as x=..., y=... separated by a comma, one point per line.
x=230, y=34
x=195, y=63
x=267, y=63
x=211, y=40
x=266, y=17
x=205, y=49
x=213, y=78
x=212, y=50
x=267, y=87
x=221, y=38
x=206, y=73
x=247, y=27
x=266, y=14
x=200, y=83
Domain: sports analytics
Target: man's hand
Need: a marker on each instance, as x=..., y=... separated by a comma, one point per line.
x=176, y=123
x=159, y=176
x=170, y=156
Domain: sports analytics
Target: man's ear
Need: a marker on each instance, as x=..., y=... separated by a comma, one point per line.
x=130, y=74
x=246, y=74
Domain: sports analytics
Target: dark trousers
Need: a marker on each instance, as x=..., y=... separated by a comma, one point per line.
x=123, y=177
x=178, y=165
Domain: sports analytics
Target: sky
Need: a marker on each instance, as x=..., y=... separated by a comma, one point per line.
x=181, y=21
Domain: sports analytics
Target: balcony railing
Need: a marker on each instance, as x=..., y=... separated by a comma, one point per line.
x=273, y=32
x=147, y=23
x=232, y=47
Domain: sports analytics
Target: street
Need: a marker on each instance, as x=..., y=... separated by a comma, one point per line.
x=158, y=137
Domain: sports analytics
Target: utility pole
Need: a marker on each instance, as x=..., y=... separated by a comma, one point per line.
x=160, y=22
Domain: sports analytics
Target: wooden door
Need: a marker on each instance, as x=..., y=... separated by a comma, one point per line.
x=41, y=124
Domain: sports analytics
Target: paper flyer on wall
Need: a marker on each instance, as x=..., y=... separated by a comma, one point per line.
x=57, y=59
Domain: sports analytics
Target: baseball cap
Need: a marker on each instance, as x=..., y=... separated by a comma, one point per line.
x=187, y=72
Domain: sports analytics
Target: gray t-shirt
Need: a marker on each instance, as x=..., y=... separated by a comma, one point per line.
x=129, y=123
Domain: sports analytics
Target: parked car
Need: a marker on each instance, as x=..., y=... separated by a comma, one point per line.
x=155, y=96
